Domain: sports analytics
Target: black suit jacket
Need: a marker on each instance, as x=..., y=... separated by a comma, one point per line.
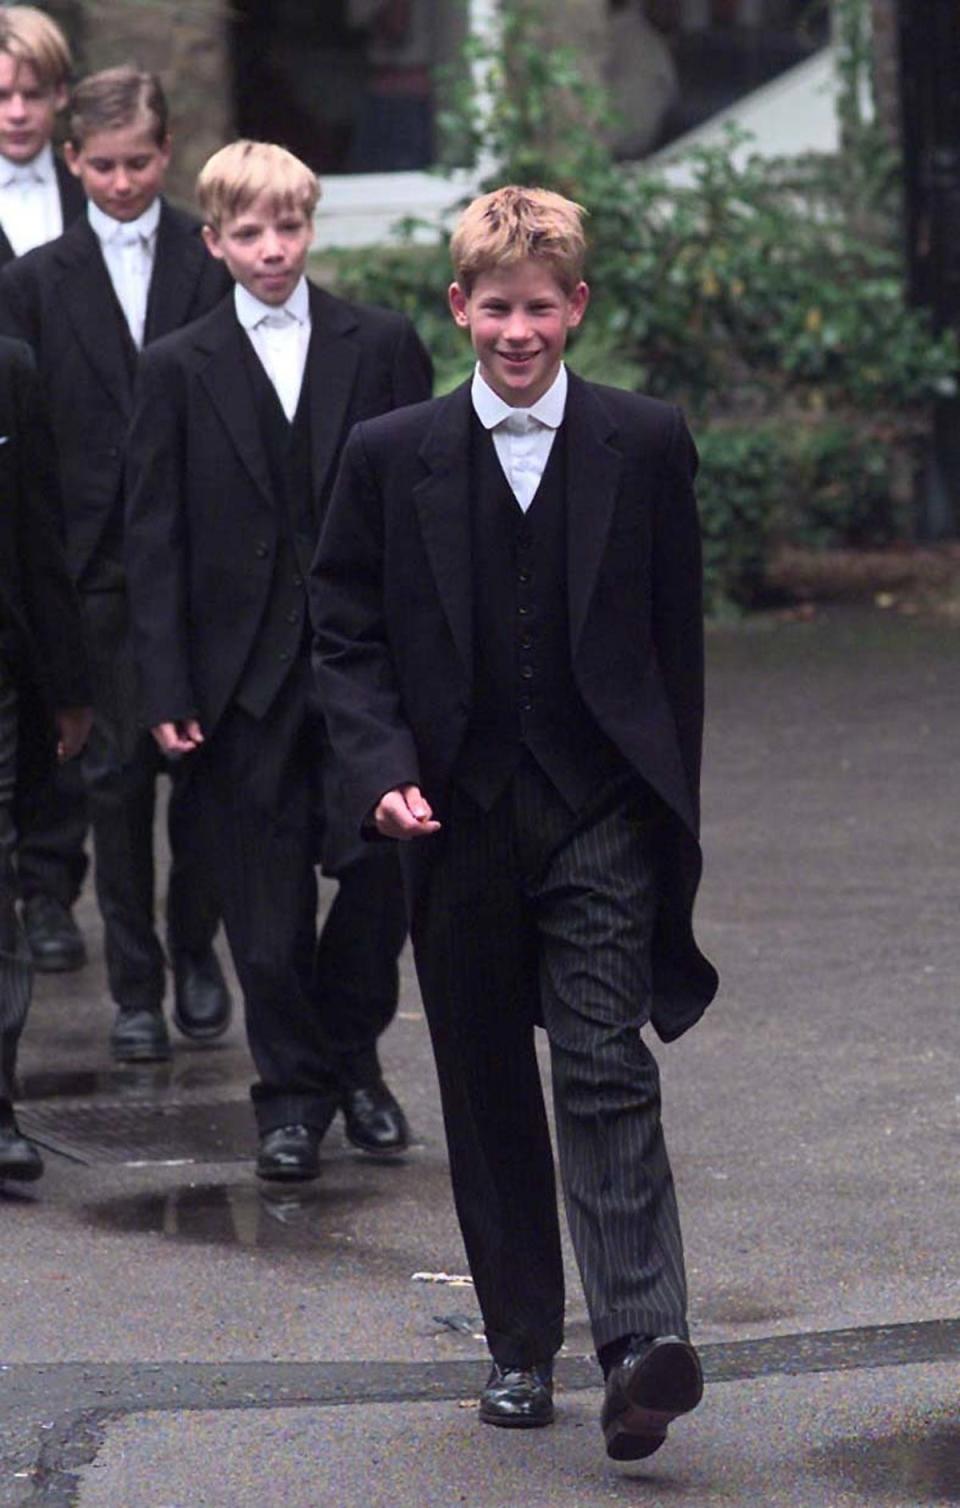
x=391, y=600
x=59, y=298
x=39, y=615
x=73, y=202
x=202, y=519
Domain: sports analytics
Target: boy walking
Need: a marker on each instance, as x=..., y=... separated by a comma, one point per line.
x=507, y=606
x=39, y=198
x=234, y=445
x=44, y=687
x=131, y=269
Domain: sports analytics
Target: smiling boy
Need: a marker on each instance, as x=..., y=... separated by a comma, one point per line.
x=235, y=439
x=130, y=269
x=507, y=608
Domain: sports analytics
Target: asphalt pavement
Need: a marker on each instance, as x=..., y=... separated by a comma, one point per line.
x=174, y=1335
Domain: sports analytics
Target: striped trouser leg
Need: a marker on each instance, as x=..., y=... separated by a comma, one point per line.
x=595, y=900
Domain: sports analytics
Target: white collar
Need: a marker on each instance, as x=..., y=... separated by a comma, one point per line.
x=491, y=409
x=107, y=229
x=39, y=169
x=251, y=310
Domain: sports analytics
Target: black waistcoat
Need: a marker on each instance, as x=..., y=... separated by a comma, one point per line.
x=282, y=636
x=524, y=696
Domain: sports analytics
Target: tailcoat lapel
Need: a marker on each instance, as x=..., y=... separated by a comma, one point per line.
x=178, y=264
x=332, y=362
x=442, y=502
x=593, y=477
x=91, y=306
x=224, y=375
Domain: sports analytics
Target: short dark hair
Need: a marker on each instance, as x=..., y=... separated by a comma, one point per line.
x=114, y=98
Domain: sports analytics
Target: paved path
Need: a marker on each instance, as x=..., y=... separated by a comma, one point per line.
x=173, y=1336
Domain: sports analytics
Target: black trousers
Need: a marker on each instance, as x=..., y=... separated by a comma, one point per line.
x=15, y=971
x=120, y=765
x=314, y=1006
x=51, y=857
x=530, y=913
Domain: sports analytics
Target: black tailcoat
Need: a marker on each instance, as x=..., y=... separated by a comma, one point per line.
x=203, y=523
x=73, y=202
x=39, y=615
x=59, y=298
x=391, y=599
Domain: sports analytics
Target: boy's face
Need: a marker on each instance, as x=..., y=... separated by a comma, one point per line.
x=28, y=110
x=122, y=170
x=265, y=248
x=518, y=318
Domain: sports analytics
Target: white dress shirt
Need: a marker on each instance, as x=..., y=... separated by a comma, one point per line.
x=280, y=335
x=30, y=209
x=523, y=437
x=129, y=247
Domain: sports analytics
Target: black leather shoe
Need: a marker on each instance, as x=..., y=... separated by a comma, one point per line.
x=19, y=1158
x=139, y=1037
x=289, y=1154
x=54, y=937
x=201, y=1001
x=656, y=1381
x=518, y=1397
x=374, y=1121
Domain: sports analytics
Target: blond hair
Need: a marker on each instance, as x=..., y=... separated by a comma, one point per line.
x=28, y=35
x=241, y=172
x=515, y=224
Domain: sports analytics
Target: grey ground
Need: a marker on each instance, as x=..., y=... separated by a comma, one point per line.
x=173, y=1336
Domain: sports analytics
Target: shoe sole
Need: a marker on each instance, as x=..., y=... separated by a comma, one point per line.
x=362, y=1146
x=58, y=965
x=20, y=1175
x=286, y=1175
x=667, y=1384
x=200, y=1033
x=514, y=1421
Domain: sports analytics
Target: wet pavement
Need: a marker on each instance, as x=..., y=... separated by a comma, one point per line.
x=174, y=1335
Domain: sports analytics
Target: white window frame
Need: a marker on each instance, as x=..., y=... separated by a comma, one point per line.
x=360, y=209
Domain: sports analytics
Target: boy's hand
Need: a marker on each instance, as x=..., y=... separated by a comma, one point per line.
x=178, y=738
x=404, y=813
x=73, y=726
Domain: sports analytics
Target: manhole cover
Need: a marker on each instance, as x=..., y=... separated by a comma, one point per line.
x=139, y=1133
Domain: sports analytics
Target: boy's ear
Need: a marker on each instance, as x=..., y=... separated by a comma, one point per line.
x=61, y=95
x=458, y=305
x=72, y=158
x=577, y=307
x=211, y=240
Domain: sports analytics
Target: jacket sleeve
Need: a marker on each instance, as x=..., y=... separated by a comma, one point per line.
x=355, y=674
x=678, y=597
x=49, y=598
x=154, y=540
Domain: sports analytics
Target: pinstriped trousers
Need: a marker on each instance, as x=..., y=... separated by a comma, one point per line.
x=15, y=966
x=531, y=914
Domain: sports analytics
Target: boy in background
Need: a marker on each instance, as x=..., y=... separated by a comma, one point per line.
x=39, y=198
x=509, y=653
x=129, y=270
x=44, y=687
x=236, y=435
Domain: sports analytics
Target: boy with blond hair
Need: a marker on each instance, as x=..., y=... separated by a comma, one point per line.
x=38, y=196
x=130, y=269
x=236, y=435
x=507, y=608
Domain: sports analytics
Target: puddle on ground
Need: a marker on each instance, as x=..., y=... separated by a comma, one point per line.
x=916, y=1467
x=739, y=1307
x=294, y=1218
x=130, y=1079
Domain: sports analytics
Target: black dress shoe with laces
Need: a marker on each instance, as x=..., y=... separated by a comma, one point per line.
x=289, y=1154
x=374, y=1120
x=56, y=945
x=19, y=1158
x=518, y=1397
x=139, y=1036
x=655, y=1382
x=201, y=1001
